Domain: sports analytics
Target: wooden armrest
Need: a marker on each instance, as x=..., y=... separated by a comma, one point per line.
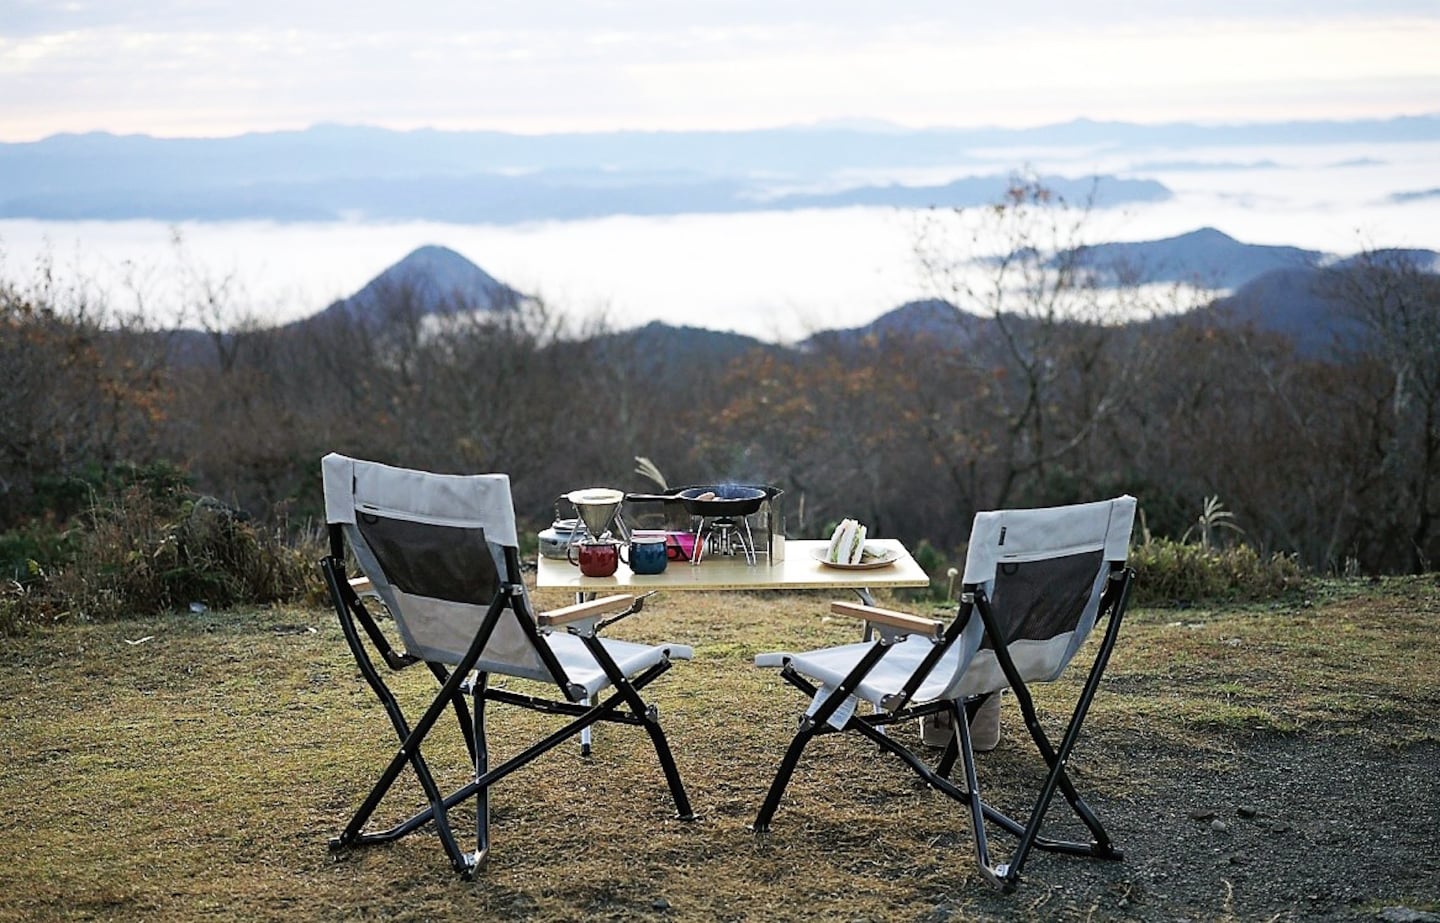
x=361, y=585
x=602, y=606
x=904, y=621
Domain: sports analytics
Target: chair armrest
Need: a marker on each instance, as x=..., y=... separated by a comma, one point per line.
x=902, y=621
x=605, y=605
x=362, y=585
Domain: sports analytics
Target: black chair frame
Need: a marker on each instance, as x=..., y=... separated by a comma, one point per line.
x=455, y=686
x=973, y=603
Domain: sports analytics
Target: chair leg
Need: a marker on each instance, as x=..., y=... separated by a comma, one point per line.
x=952, y=746
x=647, y=715
x=803, y=736
x=462, y=713
x=683, y=811
x=994, y=876
x=585, y=735
x=409, y=752
x=482, y=766
x=1101, y=847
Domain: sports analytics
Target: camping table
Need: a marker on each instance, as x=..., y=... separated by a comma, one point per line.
x=799, y=571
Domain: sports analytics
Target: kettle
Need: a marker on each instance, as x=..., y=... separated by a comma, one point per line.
x=561, y=534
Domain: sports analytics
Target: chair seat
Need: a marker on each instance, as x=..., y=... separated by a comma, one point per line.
x=830, y=665
x=631, y=658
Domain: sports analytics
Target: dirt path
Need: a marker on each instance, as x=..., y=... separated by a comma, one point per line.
x=1296, y=830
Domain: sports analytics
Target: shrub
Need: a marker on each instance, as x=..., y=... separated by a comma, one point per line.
x=147, y=550
x=138, y=559
x=1180, y=573
x=36, y=548
x=16, y=609
x=64, y=496
x=53, y=537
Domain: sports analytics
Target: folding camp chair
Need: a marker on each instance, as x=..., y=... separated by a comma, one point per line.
x=1035, y=584
x=440, y=553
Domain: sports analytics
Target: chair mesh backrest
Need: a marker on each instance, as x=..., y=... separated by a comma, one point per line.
x=434, y=547
x=1044, y=571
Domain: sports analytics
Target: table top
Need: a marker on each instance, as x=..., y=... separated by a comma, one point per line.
x=801, y=570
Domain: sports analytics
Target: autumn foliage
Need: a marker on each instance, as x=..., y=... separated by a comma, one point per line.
x=1030, y=394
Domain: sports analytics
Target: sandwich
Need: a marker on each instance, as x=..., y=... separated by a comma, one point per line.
x=847, y=544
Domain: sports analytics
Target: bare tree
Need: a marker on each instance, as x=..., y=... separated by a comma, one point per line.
x=1396, y=300
x=1056, y=361
x=80, y=388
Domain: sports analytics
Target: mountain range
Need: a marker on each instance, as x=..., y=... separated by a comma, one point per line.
x=1272, y=288
x=331, y=172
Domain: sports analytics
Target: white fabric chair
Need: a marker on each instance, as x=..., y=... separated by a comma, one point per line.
x=440, y=551
x=1035, y=584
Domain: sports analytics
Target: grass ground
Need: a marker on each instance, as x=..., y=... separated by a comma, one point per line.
x=185, y=767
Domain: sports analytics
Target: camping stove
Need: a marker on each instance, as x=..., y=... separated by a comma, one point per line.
x=727, y=536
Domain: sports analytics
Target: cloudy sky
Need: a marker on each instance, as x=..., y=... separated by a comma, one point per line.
x=216, y=67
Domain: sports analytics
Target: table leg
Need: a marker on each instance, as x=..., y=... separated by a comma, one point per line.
x=865, y=600
x=581, y=597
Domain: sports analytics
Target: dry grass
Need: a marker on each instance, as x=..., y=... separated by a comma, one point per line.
x=193, y=767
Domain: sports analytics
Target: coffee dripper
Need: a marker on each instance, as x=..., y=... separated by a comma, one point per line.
x=598, y=509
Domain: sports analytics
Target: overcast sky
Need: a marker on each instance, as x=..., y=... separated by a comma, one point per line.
x=218, y=67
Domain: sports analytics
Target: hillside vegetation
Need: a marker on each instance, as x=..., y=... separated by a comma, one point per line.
x=1025, y=392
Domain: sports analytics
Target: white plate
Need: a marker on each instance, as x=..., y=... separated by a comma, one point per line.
x=882, y=558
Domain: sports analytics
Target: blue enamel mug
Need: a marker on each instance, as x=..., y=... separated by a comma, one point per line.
x=646, y=554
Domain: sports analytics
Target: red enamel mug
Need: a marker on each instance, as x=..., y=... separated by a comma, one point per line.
x=595, y=558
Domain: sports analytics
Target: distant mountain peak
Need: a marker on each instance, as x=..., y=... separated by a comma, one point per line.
x=431, y=279
x=442, y=269
x=932, y=318
x=1205, y=256
x=1207, y=235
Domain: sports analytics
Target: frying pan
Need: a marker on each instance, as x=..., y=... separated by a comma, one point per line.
x=728, y=499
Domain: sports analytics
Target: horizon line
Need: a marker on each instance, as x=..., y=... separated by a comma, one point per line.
x=857, y=125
